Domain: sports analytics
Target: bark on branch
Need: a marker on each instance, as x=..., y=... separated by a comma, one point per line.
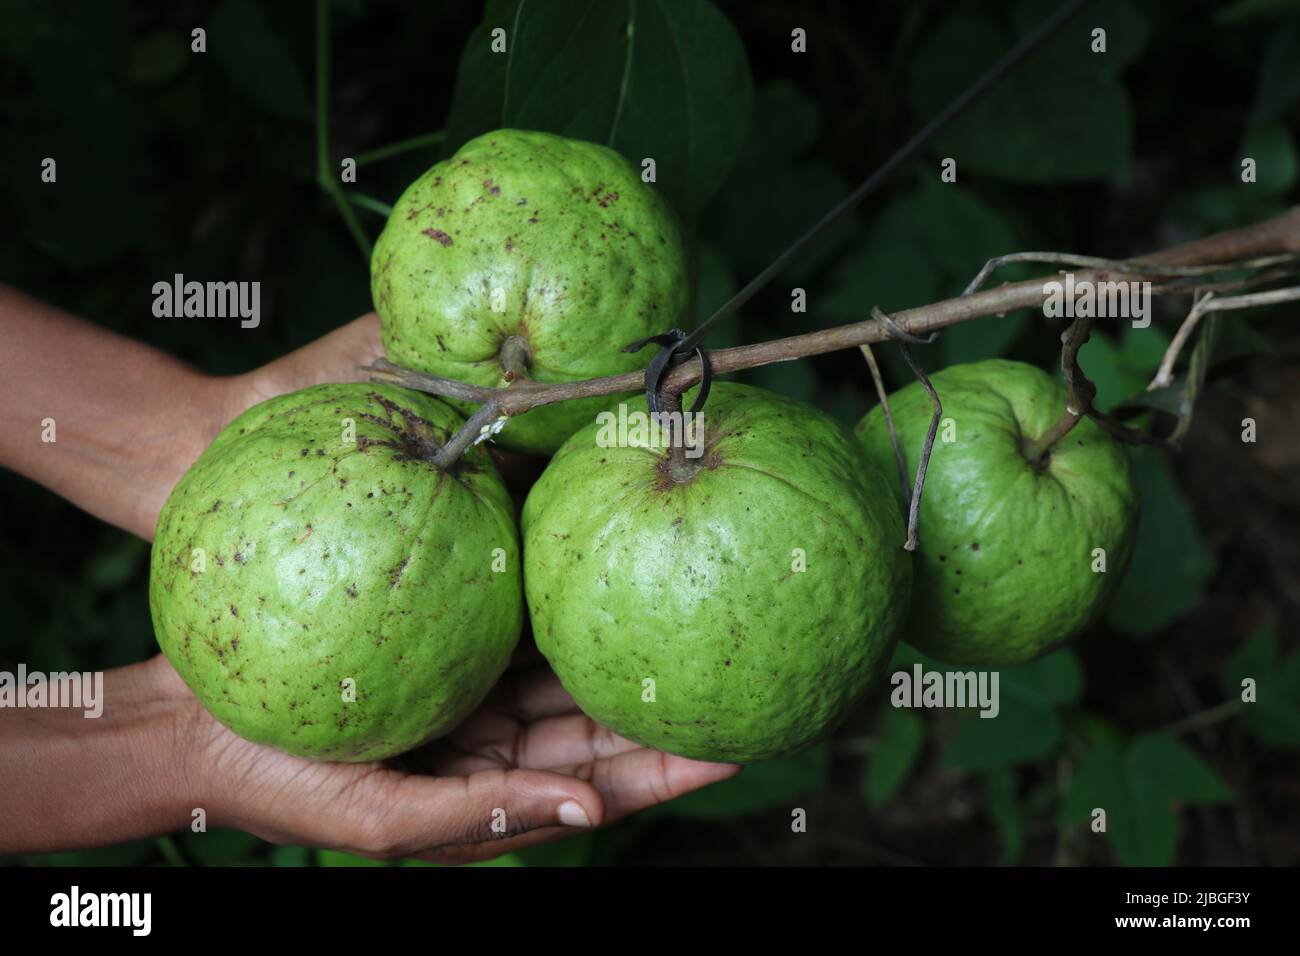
x=1279, y=236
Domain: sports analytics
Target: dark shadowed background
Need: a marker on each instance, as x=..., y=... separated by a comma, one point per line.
x=205, y=164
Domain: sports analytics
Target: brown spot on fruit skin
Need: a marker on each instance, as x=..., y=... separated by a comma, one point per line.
x=396, y=576
x=437, y=234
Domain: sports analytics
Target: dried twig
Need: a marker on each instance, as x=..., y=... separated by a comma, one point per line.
x=1164, y=376
x=883, y=396
x=923, y=465
x=1079, y=392
x=1132, y=268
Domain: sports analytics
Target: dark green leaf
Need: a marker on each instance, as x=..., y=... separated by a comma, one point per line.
x=1274, y=152
x=339, y=858
x=506, y=859
x=291, y=856
x=667, y=81
x=1142, y=831
x=1170, y=561
x=1279, y=80
x=1004, y=810
x=1140, y=787
x=1027, y=725
x=256, y=60
x=1021, y=731
x=1022, y=130
x=1122, y=368
x=1274, y=716
x=792, y=193
x=112, y=567
x=134, y=853
x=1051, y=681
x=1171, y=768
x=1248, y=9
x=900, y=736
x=714, y=285
x=157, y=58
x=794, y=379
x=893, y=269
x=1127, y=32
x=219, y=847
x=573, y=851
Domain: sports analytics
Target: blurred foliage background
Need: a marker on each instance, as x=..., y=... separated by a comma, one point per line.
x=204, y=164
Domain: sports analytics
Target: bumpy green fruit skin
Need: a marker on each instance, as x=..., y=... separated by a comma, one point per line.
x=631, y=575
x=324, y=560
x=1004, y=563
x=583, y=256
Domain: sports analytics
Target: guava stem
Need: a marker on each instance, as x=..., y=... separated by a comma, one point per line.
x=1079, y=393
x=679, y=468
x=1036, y=449
x=514, y=358
x=476, y=428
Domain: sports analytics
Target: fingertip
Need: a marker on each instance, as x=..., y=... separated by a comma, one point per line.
x=690, y=774
x=573, y=814
x=574, y=802
x=582, y=809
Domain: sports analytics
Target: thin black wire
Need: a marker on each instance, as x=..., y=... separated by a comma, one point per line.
x=954, y=109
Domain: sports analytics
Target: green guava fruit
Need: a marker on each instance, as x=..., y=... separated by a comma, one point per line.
x=314, y=554
x=731, y=611
x=1005, y=562
x=529, y=255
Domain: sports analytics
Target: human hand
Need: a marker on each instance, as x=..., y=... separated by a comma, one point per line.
x=526, y=768
x=336, y=357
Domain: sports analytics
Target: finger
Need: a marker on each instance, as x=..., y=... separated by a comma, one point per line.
x=390, y=815
x=542, y=745
x=631, y=781
x=478, y=852
x=639, y=779
x=530, y=694
x=488, y=736
x=357, y=343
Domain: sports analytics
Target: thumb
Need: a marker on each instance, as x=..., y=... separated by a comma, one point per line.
x=421, y=815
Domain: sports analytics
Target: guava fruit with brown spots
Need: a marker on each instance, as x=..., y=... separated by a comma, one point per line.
x=734, y=609
x=529, y=255
x=1009, y=563
x=324, y=589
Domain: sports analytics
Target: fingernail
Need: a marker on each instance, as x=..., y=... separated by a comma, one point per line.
x=572, y=815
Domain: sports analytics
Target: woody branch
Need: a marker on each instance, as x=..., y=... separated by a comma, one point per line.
x=1271, y=247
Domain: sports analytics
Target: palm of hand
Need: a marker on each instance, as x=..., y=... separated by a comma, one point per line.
x=496, y=784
